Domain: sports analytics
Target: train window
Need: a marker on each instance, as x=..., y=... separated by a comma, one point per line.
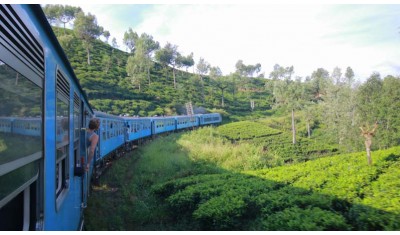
x=77, y=109
x=21, y=146
x=62, y=138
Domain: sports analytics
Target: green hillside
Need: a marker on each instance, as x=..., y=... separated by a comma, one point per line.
x=110, y=89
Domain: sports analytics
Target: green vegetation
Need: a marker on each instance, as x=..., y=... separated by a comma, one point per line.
x=200, y=180
x=290, y=162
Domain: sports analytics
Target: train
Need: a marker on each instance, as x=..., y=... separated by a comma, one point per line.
x=44, y=113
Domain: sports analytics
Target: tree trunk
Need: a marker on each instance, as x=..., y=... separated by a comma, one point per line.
x=222, y=99
x=202, y=90
x=173, y=73
x=148, y=74
x=368, y=143
x=293, y=128
x=308, y=129
x=88, y=56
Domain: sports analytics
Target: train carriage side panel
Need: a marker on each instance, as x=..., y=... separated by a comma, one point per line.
x=111, y=133
x=54, y=191
x=137, y=128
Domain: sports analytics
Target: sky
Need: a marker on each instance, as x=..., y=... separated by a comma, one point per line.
x=306, y=36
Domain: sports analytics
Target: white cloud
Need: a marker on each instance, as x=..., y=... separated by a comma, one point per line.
x=307, y=36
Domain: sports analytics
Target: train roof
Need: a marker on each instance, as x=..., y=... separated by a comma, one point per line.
x=106, y=115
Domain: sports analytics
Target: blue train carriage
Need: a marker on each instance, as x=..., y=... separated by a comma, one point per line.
x=210, y=118
x=162, y=124
x=185, y=121
x=42, y=100
x=136, y=130
x=112, y=136
x=6, y=124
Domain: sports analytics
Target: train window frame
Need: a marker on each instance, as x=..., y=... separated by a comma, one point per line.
x=14, y=60
x=62, y=163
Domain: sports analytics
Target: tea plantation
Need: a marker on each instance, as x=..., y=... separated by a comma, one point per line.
x=247, y=176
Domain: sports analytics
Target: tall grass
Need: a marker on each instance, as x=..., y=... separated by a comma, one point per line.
x=206, y=145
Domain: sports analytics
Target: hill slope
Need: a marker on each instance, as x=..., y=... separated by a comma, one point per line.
x=109, y=88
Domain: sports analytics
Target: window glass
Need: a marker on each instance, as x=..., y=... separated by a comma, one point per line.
x=20, y=128
x=62, y=134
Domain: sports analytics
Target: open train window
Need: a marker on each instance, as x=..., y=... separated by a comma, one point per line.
x=62, y=137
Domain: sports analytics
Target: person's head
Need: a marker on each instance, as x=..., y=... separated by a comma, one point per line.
x=94, y=124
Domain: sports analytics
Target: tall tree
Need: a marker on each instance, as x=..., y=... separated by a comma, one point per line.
x=134, y=69
x=186, y=61
x=319, y=80
x=86, y=29
x=107, y=35
x=349, y=75
x=167, y=56
x=129, y=40
x=289, y=95
x=145, y=46
x=51, y=12
x=280, y=72
x=389, y=119
x=202, y=69
x=247, y=70
x=221, y=82
x=58, y=13
x=68, y=13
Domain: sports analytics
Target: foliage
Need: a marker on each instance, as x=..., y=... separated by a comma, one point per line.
x=246, y=130
x=325, y=194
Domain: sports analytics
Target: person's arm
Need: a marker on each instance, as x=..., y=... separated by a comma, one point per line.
x=92, y=148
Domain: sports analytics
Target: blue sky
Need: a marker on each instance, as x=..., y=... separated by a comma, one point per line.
x=307, y=36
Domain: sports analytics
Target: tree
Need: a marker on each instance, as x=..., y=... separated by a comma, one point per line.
x=319, y=80
x=106, y=62
x=368, y=134
x=368, y=98
x=51, y=12
x=145, y=46
x=280, y=72
x=221, y=82
x=167, y=56
x=65, y=41
x=87, y=30
x=114, y=43
x=339, y=104
x=202, y=69
x=186, y=61
x=60, y=13
x=129, y=40
x=336, y=76
x=67, y=13
x=134, y=70
x=389, y=119
x=107, y=35
x=349, y=75
x=247, y=70
x=289, y=95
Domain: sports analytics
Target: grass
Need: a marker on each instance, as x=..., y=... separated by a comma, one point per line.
x=202, y=180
